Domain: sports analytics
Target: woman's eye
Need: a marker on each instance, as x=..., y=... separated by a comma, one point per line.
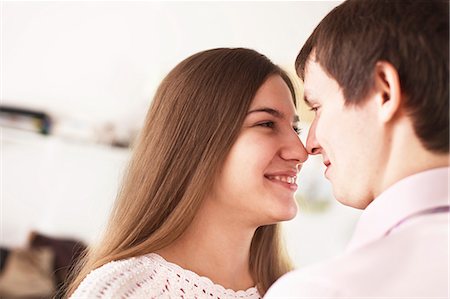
x=297, y=130
x=315, y=108
x=268, y=124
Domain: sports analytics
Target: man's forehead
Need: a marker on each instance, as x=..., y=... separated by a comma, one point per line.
x=312, y=67
x=310, y=82
x=311, y=60
x=317, y=83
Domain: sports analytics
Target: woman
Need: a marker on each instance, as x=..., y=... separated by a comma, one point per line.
x=213, y=172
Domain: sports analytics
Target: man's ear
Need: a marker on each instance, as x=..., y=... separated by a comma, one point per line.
x=387, y=89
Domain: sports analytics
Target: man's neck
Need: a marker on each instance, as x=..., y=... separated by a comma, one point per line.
x=407, y=157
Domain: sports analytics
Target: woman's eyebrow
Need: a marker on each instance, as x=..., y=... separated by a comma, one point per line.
x=274, y=112
x=271, y=111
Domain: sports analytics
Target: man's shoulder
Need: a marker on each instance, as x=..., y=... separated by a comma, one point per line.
x=310, y=282
x=411, y=261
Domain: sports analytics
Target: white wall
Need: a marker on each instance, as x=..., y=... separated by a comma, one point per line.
x=101, y=61
x=56, y=186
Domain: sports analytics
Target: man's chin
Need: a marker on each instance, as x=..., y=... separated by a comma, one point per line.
x=350, y=200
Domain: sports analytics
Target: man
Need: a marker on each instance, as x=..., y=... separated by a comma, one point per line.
x=376, y=75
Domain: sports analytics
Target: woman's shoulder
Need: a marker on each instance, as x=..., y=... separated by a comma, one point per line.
x=151, y=276
x=124, y=278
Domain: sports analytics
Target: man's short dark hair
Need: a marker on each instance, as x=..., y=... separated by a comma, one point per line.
x=412, y=35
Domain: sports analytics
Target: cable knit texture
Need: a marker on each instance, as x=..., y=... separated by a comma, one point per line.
x=151, y=276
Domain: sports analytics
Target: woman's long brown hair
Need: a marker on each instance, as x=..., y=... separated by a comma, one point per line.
x=194, y=119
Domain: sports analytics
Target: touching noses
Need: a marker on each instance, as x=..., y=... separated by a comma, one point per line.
x=294, y=150
x=312, y=145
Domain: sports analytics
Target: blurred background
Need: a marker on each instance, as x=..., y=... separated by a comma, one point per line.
x=76, y=81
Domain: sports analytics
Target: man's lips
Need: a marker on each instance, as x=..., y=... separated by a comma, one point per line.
x=327, y=165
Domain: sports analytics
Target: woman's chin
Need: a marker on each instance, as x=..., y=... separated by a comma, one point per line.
x=285, y=214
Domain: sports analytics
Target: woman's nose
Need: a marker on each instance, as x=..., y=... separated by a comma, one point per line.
x=294, y=149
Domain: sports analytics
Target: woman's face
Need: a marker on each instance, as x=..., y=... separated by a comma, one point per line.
x=259, y=177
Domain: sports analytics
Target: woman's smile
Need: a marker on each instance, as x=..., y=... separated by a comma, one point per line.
x=287, y=181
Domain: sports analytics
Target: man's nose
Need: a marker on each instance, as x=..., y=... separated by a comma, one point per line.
x=312, y=145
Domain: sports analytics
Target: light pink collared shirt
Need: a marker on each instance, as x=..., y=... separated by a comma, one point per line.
x=400, y=248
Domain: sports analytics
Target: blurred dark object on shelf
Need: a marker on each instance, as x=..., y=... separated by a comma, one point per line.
x=4, y=253
x=26, y=119
x=41, y=269
x=27, y=274
x=66, y=253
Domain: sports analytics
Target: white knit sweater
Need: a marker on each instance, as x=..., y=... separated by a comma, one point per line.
x=151, y=276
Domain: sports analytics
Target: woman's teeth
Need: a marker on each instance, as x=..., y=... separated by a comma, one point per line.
x=282, y=178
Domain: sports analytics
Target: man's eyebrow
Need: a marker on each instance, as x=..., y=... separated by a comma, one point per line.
x=309, y=101
x=274, y=112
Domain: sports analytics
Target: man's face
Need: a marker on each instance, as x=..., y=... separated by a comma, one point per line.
x=348, y=137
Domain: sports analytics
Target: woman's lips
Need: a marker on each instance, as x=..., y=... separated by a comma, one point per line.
x=287, y=181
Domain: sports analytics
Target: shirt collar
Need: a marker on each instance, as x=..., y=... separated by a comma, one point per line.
x=413, y=194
